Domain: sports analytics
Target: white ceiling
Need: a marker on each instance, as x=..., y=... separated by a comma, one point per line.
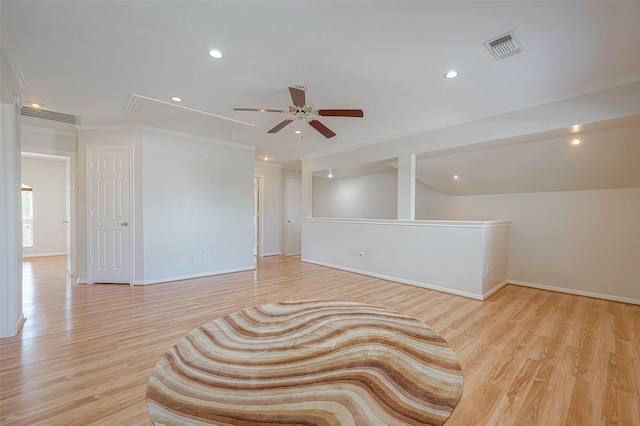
x=385, y=57
x=606, y=158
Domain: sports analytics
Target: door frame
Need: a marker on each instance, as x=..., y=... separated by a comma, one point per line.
x=71, y=216
x=90, y=150
x=259, y=209
x=287, y=248
x=71, y=159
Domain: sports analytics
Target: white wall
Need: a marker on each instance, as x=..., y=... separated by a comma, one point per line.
x=367, y=197
x=197, y=198
x=465, y=258
x=429, y=203
x=495, y=257
x=191, y=195
x=47, y=177
x=11, y=315
x=273, y=220
x=41, y=140
x=591, y=245
x=580, y=241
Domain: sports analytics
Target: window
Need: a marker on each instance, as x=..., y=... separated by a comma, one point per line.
x=27, y=216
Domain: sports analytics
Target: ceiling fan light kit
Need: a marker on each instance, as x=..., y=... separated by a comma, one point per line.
x=301, y=110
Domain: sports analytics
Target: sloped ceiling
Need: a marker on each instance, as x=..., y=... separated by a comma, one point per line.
x=386, y=57
x=607, y=157
x=362, y=169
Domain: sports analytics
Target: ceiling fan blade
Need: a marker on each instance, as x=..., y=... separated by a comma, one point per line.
x=341, y=112
x=322, y=128
x=297, y=96
x=280, y=126
x=259, y=109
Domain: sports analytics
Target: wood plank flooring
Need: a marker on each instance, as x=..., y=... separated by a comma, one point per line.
x=529, y=357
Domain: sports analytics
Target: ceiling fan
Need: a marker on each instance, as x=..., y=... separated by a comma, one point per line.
x=301, y=110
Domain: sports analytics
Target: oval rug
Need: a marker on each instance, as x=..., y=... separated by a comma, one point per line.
x=307, y=363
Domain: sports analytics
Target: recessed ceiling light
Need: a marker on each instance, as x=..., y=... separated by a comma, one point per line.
x=215, y=54
x=297, y=132
x=176, y=99
x=35, y=105
x=451, y=74
x=456, y=177
x=576, y=142
x=265, y=158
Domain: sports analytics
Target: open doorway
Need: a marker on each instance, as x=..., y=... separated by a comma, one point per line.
x=293, y=195
x=50, y=210
x=257, y=216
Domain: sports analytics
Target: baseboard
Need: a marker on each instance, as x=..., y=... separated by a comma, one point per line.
x=494, y=290
x=275, y=253
x=576, y=292
x=398, y=280
x=200, y=275
x=182, y=277
x=21, y=322
x=64, y=253
x=488, y=294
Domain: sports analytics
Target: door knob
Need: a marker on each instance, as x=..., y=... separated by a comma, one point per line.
x=125, y=224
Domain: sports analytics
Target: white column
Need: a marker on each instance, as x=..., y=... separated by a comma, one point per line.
x=10, y=222
x=407, y=187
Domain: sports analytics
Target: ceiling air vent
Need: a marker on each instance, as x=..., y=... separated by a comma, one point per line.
x=48, y=115
x=504, y=46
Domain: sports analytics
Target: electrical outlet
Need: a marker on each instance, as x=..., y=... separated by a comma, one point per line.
x=189, y=258
x=206, y=255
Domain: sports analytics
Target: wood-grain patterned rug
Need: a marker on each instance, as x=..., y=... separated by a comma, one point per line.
x=307, y=363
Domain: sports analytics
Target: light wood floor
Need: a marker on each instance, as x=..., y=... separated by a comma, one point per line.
x=529, y=357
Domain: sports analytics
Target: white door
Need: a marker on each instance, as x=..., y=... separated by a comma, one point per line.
x=110, y=216
x=293, y=195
